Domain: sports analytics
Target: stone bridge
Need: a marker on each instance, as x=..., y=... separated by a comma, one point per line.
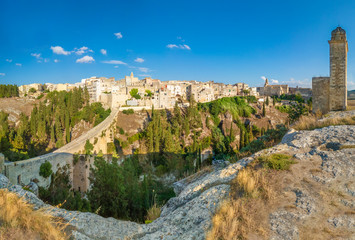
x=25, y=171
x=99, y=136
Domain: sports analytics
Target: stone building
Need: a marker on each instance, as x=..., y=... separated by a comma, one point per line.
x=272, y=90
x=330, y=93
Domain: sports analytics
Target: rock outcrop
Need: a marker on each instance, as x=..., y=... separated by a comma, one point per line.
x=324, y=174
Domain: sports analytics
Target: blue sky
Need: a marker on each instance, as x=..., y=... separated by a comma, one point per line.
x=224, y=41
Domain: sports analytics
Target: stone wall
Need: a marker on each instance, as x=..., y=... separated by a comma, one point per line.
x=23, y=172
x=320, y=88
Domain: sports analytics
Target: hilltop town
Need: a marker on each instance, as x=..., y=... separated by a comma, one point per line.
x=148, y=92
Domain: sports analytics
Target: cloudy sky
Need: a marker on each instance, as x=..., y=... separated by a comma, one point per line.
x=225, y=41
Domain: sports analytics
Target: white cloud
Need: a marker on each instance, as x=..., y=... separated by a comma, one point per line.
x=59, y=50
x=56, y=60
x=263, y=78
x=115, y=62
x=187, y=47
x=139, y=60
x=171, y=46
x=46, y=60
x=103, y=51
x=2, y=74
x=118, y=35
x=144, y=75
x=19, y=64
x=274, y=81
x=82, y=50
x=351, y=85
x=9, y=60
x=85, y=59
x=180, y=46
x=301, y=83
x=115, y=66
x=143, y=69
x=36, y=55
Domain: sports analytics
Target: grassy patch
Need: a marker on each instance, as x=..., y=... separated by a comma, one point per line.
x=276, y=161
x=311, y=122
x=252, y=193
x=18, y=220
x=153, y=213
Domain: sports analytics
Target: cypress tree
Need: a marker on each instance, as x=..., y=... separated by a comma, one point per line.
x=264, y=111
x=241, y=142
x=267, y=101
x=67, y=127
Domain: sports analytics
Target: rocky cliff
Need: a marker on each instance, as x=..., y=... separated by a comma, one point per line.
x=317, y=195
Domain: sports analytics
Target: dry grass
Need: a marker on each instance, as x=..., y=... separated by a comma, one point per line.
x=18, y=220
x=153, y=213
x=312, y=122
x=245, y=212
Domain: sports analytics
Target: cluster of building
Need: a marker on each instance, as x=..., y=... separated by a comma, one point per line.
x=153, y=92
x=150, y=92
x=278, y=90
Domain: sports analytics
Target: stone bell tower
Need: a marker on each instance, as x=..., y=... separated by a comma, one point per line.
x=338, y=74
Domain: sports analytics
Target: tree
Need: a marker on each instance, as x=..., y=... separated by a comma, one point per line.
x=45, y=170
x=134, y=93
x=112, y=202
x=88, y=147
x=267, y=101
x=264, y=111
x=32, y=90
x=149, y=93
x=246, y=92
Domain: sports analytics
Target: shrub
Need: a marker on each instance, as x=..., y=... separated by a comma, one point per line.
x=277, y=161
x=40, y=96
x=45, y=170
x=128, y=111
x=153, y=213
x=88, y=147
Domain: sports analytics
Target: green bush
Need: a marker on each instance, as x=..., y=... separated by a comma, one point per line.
x=161, y=170
x=277, y=161
x=45, y=170
x=128, y=111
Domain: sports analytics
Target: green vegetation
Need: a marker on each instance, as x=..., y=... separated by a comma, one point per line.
x=7, y=91
x=296, y=108
x=270, y=138
x=291, y=97
x=237, y=106
x=45, y=170
x=134, y=93
x=148, y=93
x=32, y=90
x=49, y=125
x=88, y=147
x=130, y=200
x=128, y=111
x=60, y=193
x=276, y=161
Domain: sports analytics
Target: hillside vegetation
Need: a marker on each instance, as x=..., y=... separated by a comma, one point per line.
x=50, y=124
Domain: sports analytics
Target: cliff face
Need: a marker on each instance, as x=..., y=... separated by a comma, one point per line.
x=316, y=198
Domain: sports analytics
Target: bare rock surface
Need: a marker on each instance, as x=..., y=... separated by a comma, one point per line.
x=323, y=195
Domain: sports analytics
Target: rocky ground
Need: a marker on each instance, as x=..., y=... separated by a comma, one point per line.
x=316, y=198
